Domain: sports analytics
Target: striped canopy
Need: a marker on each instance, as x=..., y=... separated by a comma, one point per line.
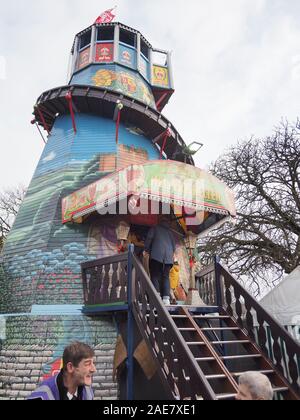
x=191, y=192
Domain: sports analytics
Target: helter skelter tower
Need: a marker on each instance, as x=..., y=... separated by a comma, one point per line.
x=107, y=118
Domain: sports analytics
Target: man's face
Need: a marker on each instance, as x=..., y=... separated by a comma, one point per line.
x=244, y=394
x=83, y=373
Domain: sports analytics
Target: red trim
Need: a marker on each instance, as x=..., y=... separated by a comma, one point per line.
x=117, y=127
x=167, y=135
x=43, y=120
x=69, y=99
x=161, y=99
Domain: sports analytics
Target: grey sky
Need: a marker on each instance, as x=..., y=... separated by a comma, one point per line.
x=236, y=67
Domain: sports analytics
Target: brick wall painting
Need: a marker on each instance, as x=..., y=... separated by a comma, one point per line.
x=34, y=346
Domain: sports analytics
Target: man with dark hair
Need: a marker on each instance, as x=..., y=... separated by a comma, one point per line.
x=74, y=382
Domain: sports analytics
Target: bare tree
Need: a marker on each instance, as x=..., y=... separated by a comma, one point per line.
x=10, y=201
x=265, y=175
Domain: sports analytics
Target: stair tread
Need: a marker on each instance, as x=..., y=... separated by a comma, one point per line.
x=235, y=374
x=202, y=343
x=264, y=372
x=244, y=356
x=211, y=317
x=225, y=396
x=231, y=342
x=280, y=389
x=221, y=329
x=186, y=329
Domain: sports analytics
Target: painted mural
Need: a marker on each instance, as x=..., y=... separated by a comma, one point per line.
x=127, y=56
x=126, y=82
x=104, y=53
x=117, y=78
x=161, y=76
x=84, y=58
x=41, y=256
x=33, y=348
x=40, y=268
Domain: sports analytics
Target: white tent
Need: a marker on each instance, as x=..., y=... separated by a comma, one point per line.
x=283, y=302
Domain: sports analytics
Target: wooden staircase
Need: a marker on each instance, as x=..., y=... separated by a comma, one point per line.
x=224, y=351
x=199, y=352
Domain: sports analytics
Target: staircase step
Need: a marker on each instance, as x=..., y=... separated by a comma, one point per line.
x=205, y=359
x=221, y=329
x=186, y=329
x=210, y=317
x=225, y=396
x=225, y=342
x=216, y=376
x=231, y=342
x=280, y=389
x=236, y=374
x=264, y=372
x=201, y=343
x=244, y=356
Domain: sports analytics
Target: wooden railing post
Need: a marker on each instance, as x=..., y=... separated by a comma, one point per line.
x=130, y=326
x=219, y=288
x=271, y=338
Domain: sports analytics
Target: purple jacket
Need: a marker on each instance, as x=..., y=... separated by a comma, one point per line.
x=48, y=391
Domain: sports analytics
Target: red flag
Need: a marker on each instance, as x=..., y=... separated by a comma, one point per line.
x=106, y=17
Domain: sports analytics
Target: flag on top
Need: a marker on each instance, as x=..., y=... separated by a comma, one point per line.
x=106, y=17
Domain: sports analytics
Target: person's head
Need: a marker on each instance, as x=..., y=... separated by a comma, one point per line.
x=78, y=363
x=254, y=386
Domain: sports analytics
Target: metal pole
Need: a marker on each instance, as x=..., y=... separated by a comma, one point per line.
x=93, y=44
x=130, y=327
x=116, y=43
x=75, y=57
x=138, y=48
x=171, y=80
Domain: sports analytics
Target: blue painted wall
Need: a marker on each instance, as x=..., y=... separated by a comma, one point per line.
x=117, y=78
x=42, y=256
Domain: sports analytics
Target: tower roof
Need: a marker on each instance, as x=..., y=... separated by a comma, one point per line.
x=121, y=25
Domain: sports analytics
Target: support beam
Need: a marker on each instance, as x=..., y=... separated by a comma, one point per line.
x=130, y=327
x=70, y=101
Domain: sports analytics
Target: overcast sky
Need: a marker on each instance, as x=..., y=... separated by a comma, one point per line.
x=236, y=67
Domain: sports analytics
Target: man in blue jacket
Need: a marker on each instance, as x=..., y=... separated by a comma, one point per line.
x=160, y=245
x=74, y=382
